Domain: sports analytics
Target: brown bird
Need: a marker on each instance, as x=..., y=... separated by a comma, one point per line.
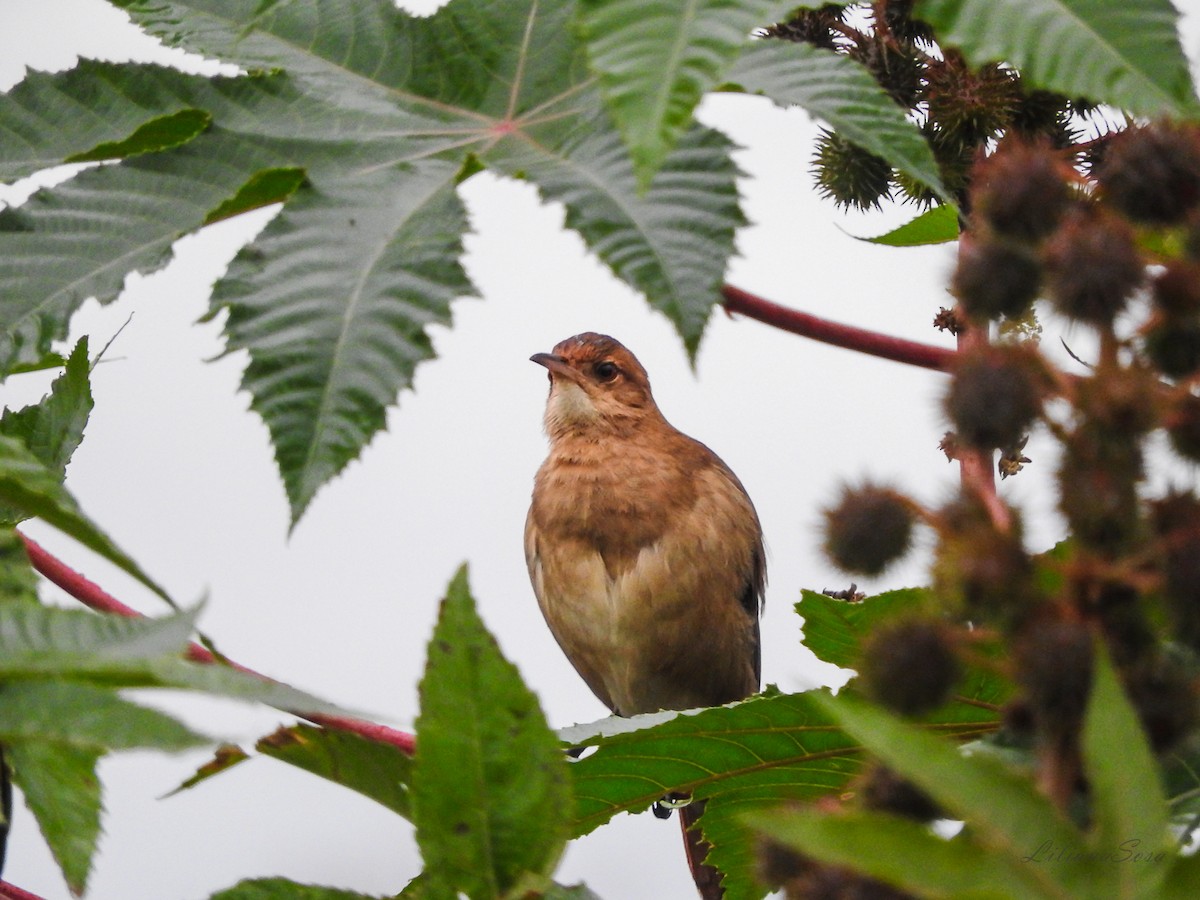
x=645, y=552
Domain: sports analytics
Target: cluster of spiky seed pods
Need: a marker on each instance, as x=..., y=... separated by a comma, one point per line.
x=1106, y=230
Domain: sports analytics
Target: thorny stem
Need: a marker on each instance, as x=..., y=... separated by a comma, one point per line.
x=914, y=353
x=92, y=595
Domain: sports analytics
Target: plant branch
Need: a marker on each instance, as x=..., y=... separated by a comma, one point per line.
x=914, y=353
x=12, y=892
x=92, y=595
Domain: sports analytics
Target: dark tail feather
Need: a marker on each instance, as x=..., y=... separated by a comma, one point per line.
x=708, y=879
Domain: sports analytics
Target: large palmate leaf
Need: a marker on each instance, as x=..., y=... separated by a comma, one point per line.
x=363, y=119
x=657, y=58
x=1125, y=54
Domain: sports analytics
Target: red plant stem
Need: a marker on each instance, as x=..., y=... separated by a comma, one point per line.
x=913, y=353
x=92, y=595
x=12, y=892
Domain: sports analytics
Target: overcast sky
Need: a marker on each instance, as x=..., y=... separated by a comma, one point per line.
x=178, y=471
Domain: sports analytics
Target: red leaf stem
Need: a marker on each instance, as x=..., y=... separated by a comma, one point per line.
x=913, y=353
x=92, y=595
x=12, y=892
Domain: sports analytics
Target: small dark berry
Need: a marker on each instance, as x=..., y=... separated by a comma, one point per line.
x=1176, y=290
x=995, y=278
x=909, y=666
x=1021, y=190
x=1054, y=669
x=1152, y=173
x=1093, y=266
x=995, y=397
x=1173, y=344
x=850, y=175
x=869, y=528
x=1183, y=427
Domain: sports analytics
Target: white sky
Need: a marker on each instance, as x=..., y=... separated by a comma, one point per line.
x=177, y=470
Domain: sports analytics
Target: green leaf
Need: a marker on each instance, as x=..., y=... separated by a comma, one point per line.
x=18, y=581
x=835, y=629
x=161, y=133
x=53, y=428
x=902, y=853
x=40, y=641
x=119, y=651
x=374, y=769
x=1004, y=810
x=86, y=717
x=332, y=301
x=225, y=758
x=657, y=58
x=934, y=226
x=27, y=486
x=839, y=91
x=490, y=797
x=283, y=889
x=1125, y=54
x=749, y=755
x=1128, y=805
x=62, y=791
x=671, y=242
x=343, y=126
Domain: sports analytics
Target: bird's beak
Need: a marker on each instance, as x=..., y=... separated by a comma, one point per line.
x=556, y=365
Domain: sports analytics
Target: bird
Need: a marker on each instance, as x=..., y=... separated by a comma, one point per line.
x=645, y=552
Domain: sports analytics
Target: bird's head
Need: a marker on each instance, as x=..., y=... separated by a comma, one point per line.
x=595, y=385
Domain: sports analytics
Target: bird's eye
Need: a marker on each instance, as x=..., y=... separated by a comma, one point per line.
x=606, y=371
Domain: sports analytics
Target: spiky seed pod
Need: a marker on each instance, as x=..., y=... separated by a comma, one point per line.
x=1176, y=289
x=1092, y=266
x=869, y=528
x=995, y=278
x=1121, y=614
x=1122, y=401
x=850, y=175
x=1172, y=343
x=1054, y=669
x=1167, y=701
x=995, y=396
x=909, y=666
x=811, y=26
x=1182, y=422
x=1097, y=478
x=987, y=571
x=1152, y=173
x=896, y=68
x=1176, y=520
x=1045, y=115
x=896, y=17
x=970, y=106
x=1021, y=190
x=954, y=162
x=887, y=791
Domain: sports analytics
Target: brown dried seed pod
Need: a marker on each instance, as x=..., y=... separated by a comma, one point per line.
x=995, y=397
x=1093, y=267
x=1152, y=173
x=1021, y=190
x=868, y=528
x=910, y=666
